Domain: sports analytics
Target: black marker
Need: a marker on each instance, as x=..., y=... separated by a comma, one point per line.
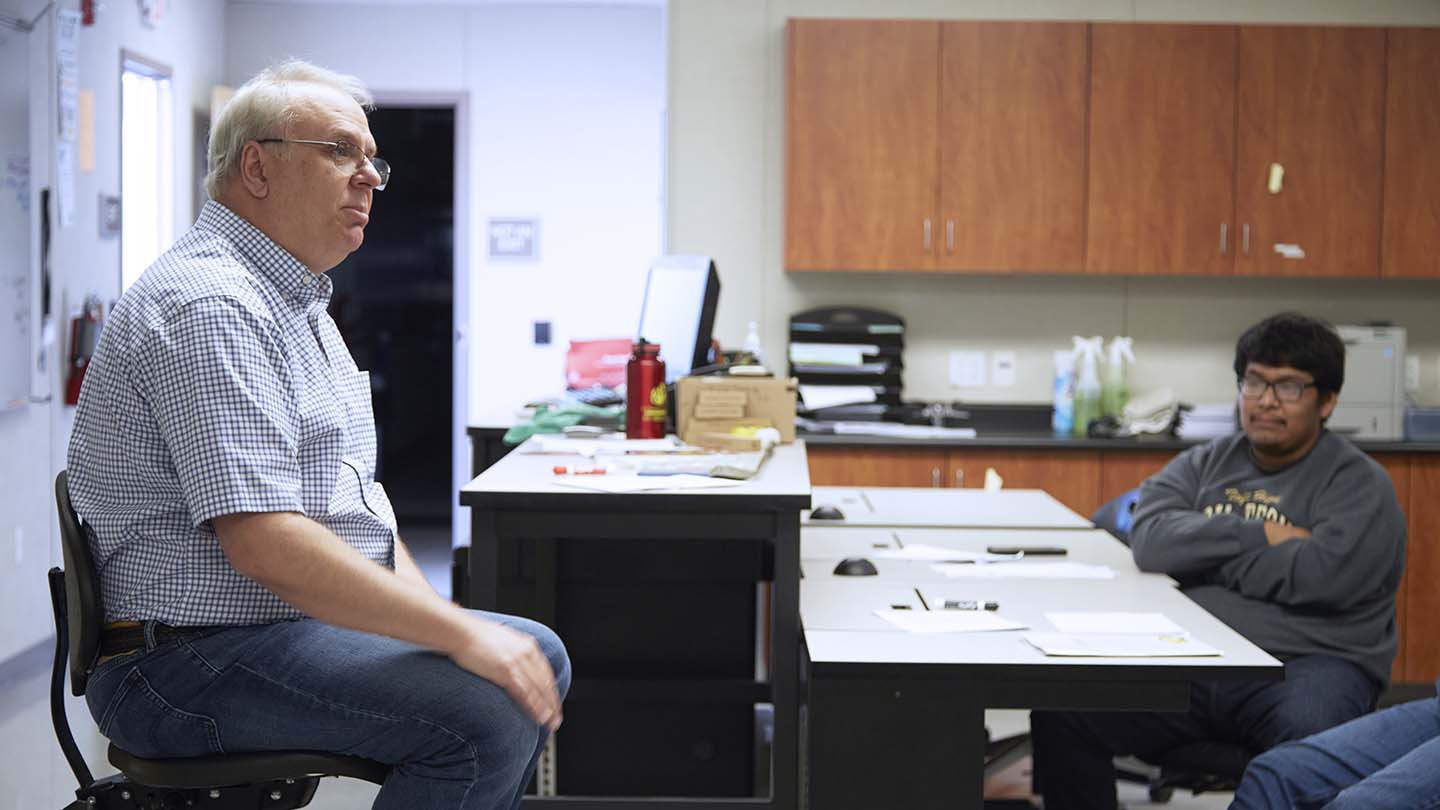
x=970, y=604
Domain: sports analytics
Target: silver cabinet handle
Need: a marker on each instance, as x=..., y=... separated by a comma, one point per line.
x=1245, y=239
x=959, y=479
x=1224, y=238
x=935, y=477
x=949, y=236
x=927, y=235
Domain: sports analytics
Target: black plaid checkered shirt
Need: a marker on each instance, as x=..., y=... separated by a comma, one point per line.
x=220, y=385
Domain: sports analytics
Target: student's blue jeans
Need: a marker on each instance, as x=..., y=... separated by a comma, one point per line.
x=456, y=740
x=1074, y=751
x=1389, y=760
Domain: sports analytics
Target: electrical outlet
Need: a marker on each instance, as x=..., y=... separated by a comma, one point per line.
x=1412, y=373
x=967, y=369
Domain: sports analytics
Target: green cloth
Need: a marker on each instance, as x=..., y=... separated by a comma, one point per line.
x=554, y=419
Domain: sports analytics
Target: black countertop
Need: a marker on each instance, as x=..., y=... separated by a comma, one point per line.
x=1046, y=441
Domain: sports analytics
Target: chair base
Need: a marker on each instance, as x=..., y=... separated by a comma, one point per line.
x=118, y=792
x=270, y=767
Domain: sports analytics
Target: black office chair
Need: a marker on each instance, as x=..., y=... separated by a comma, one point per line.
x=279, y=780
x=1198, y=767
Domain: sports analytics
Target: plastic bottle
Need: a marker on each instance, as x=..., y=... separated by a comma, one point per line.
x=1115, y=390
x=1062, y=419
x=1087, y=386
x=751, y=346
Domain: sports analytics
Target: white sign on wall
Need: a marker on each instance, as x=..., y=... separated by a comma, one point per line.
x=514, y=238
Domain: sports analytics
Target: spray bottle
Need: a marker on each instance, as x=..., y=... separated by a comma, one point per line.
x=1115, y=391
x=1087, y=389
x=1062, y=419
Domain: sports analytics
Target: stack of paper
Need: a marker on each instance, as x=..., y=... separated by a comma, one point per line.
x=1207, y=421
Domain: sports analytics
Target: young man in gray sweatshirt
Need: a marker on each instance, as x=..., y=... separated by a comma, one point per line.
x=1288, y=534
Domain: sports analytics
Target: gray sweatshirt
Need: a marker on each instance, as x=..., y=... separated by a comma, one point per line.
x=1202, y=521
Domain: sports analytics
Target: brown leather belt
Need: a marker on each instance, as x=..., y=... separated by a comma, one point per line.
x=127, y=637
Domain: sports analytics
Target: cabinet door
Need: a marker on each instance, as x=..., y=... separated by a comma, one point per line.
x=1012, y=146
x=1412, y=160
x=1162, y=149
x=1124, y=470
x=860, y=144
x=1422, y=570
x=1071, y=476
x=1312, y=103
x=1398, y=466
x=875, y=467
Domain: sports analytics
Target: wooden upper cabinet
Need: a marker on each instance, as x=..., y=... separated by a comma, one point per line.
x=1162, y=149
x=1311, y=101
x=861, y=144
x=1012, y=146
x=1412, y=154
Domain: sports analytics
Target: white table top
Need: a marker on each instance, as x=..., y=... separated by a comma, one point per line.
x=530, y=478
x=833, y=543
x=840, y=625
x=939, y=507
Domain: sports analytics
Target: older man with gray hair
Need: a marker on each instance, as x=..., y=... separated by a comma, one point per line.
x=258, y=595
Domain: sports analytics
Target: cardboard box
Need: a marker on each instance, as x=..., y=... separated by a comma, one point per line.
x=761, y=402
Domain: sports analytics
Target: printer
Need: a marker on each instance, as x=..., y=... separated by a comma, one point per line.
x=1372, y=400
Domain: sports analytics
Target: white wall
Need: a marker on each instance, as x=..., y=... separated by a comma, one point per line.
x=726, y=197
x=33, y=440
x=565, y=106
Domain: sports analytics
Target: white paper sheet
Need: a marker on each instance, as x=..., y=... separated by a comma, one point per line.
x=1113, y=622
x=1165, y=645
x=1025, y=570
x=829, y=396
x=643, y=483
x=839, y=354
x=948, y=621
x=927, y=553
x=905, y=431
x=593, y=447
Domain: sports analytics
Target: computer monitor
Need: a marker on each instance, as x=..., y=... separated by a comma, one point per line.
x=679, y=311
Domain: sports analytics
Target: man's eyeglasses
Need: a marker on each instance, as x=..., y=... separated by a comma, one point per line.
x=344, y=153
x=1285, y=390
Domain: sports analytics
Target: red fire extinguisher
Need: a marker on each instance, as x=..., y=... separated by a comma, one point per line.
x=84, y=335
x=645, y=392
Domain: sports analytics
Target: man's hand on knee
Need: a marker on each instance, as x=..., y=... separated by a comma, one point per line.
x=513, y=661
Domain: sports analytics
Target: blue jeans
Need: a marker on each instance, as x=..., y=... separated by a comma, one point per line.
x=1389, y=760
x=1074, y=751
x=455, y=739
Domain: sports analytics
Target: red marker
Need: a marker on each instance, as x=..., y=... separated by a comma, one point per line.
x=563, y=470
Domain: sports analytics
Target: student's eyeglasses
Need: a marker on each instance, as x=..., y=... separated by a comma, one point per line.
x=1285, y=390
x=344, y=153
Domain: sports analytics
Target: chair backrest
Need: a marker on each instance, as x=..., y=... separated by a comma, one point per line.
x=1117, y=515
x=84, y=607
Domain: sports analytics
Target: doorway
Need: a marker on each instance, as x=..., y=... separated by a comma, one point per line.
x=394, y=302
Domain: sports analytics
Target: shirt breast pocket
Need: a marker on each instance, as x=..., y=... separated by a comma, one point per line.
x=359, y=419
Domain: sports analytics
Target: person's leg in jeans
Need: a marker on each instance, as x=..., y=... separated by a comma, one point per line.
x=1319, y=692
x=1390, y=759
x=1074, y=752
x=456, y=740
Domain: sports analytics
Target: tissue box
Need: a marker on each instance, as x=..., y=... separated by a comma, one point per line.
x=714, y=404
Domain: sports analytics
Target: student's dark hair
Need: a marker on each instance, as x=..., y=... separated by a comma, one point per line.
x=1298, y=341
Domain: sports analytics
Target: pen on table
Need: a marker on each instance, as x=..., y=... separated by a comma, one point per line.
x=970, y=604
x=560, y=469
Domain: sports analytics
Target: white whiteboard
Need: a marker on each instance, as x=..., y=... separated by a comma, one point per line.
x=15, y=290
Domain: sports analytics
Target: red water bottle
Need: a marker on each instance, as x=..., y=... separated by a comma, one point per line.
x=645, y=392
